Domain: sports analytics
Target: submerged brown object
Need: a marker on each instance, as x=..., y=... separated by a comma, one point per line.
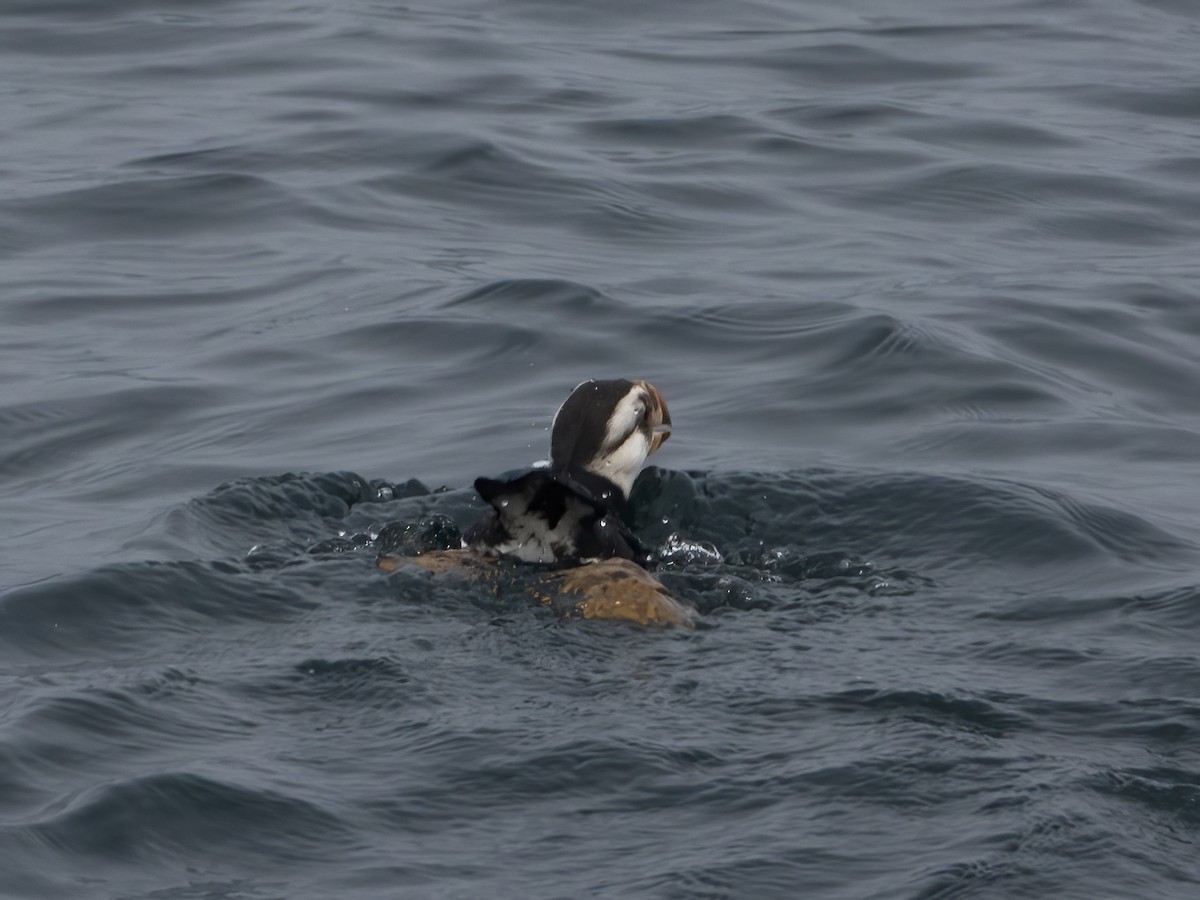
x=606, y=589
x=619, y=589
x=440, y=561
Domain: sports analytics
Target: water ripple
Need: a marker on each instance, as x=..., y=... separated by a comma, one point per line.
x=919, y=285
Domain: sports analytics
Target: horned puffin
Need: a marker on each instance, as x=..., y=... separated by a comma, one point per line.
x=572, y=511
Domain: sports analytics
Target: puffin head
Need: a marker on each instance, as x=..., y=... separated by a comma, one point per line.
x=607, y=429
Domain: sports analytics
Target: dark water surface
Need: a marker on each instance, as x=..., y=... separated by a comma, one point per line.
x=919, y=282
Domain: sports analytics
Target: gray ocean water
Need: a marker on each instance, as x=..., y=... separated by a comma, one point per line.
x=920, y=283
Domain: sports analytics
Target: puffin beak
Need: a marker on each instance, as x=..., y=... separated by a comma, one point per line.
x=659, y=418
x=658, y=436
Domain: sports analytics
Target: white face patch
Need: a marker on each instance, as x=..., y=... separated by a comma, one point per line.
x=621, y=465
x=626, y=442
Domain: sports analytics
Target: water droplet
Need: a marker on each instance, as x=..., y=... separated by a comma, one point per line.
x=503, y=503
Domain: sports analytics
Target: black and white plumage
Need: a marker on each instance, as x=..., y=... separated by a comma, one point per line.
x=572, y=511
